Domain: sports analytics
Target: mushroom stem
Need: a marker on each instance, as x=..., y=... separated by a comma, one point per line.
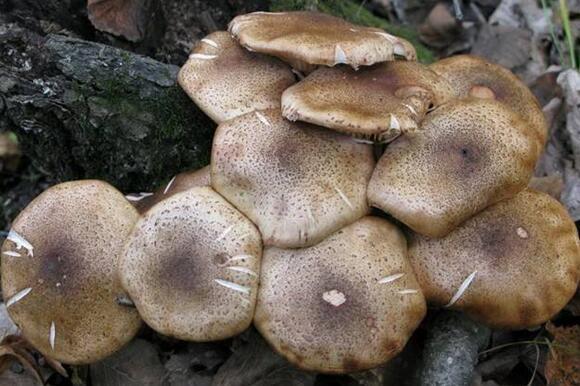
x=451, y=348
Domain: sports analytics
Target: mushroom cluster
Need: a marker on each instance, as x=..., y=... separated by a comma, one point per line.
x=318, y=121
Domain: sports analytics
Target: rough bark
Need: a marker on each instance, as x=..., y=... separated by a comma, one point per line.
x=87, y=110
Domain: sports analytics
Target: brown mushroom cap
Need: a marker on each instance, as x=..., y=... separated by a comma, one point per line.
x=225, y=80
x=474, y=76
x=59, y=267
x=347, y=304
x=298, y=183
x=305, y=39
x=179, y=183
x=517, y=263
x=375, y=103
x=469, y=154
x=191, y=267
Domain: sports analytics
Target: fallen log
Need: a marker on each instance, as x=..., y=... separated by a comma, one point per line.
x=86, y=110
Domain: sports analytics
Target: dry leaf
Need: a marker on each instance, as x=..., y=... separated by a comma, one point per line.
x=440, y=28
x=563, y=366
x=15, y=347
x=126, y=18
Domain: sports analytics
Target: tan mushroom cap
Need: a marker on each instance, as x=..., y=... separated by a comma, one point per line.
x=191, y=267
x=298, y=183
x=469, y=154
x=347, y=304
x=375, y=103
x=225, y=80
x=59, y=267
x=305, y=39
x=517, y=263
x=179, y=183
x=474, y=76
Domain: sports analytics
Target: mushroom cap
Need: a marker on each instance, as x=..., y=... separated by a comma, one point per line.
x=469, y=154
x=526, y=255
x=191, y=267
x=376, y=103
x=179, y=183
x=474, y=76
x=225, y=80
x=61, y=285
x=305, y=39
x=347, y=304
x=298, y=183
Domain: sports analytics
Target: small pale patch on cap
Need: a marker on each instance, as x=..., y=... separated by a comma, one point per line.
x=476, y=77
x=334, y=297
x=321, y=306
x=408, y=291
x=521, y=231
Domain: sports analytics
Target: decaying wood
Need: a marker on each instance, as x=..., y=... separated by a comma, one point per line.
x=87, y=110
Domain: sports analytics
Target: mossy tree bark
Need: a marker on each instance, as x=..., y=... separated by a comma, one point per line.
x=86, y=110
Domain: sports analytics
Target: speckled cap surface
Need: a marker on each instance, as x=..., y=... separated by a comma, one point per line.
x=471, y=75
x=306, y=39
x=298, y=183
x=191, y=267
x=375, y=103
x=347, y=304
x=226, y=80
x=59, y=268
x=469, y=154
x=514, y=265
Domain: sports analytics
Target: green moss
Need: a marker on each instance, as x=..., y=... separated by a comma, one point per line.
x=355, y=13
x=137, y=142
